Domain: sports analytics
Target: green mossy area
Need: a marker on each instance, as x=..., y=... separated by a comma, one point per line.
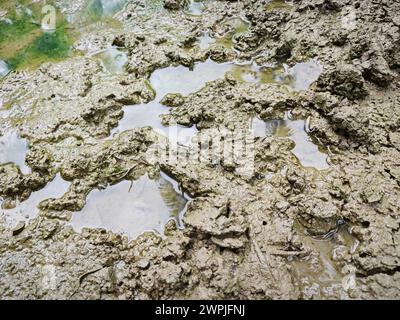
x=238, y=26
x=24, y=45
x=18, y=28
x=46, y=47
x=278, y=5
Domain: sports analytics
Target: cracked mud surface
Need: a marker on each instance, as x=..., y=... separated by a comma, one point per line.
x=291, y=230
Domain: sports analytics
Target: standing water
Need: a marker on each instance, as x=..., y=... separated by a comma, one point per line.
x=132, y=208
x=305, y=150
x=195, y=8
x=4, y=69
x=13, y=150
x=170, y=80
x=296, y=78
x=28, y=209
x=105, y=8
x=113, y=60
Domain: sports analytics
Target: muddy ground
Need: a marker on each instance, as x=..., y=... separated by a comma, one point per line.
x=287, y=231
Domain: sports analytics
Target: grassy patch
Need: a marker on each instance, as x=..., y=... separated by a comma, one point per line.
x=19, y=27
x=23, y=44
x=51, y=45
x=46, y=47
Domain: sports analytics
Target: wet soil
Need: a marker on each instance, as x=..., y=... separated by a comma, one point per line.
x=83, y=108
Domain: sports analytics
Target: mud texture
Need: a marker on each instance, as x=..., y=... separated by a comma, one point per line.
x=287, y=231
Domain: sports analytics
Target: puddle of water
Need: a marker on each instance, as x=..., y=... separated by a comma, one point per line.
x=195, y=8
x=304, y=74
x=113, y=60
x=132, y=208
x=278, y=5
x=236, y=26
x=170, y=80
x=13, y=149
x=4, y=69
x=142, y=115
x=105, y=8
x=297, y=78
x=329, y=274
x=251, y=72
x=226, y=36
x=306, y=151
x=205, y=41
x=182, y=80
x=185, y=81
x=28, y=209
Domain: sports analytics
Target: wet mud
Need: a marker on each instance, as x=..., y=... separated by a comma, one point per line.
x=89, y=210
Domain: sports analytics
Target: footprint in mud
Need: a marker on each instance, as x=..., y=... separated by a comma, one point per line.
x=132, y=208
x=13, y=149
x=226, y=34
x=28, y=209
x=307, y=152
x=296, y=78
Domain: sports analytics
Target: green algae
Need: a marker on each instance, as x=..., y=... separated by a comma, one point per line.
x=18, y=27
x=23, y=44
x=53, y=46
x=278, y=5
x=259, y=74
x=7, y=105
x=237, y=26
x=297, y=78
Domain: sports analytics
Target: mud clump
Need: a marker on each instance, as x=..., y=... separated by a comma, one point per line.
x=175, y=4
x=320, y=79
x=346, y=81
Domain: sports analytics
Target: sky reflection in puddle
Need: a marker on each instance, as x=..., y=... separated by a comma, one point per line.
x=132, y=208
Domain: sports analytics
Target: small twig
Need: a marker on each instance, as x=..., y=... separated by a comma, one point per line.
x=82, y=277
x=288, y=253
x=39, y=223
x=263, y=260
